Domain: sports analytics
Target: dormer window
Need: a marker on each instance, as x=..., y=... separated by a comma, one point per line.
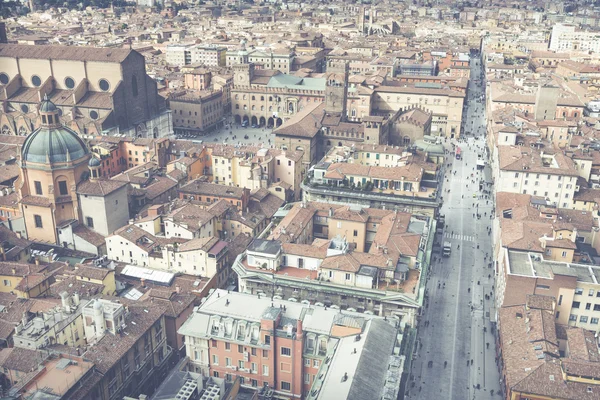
x=323, y=346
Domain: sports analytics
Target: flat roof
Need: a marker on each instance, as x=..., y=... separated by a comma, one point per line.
x=534, y=265
x=58, y=376
x=148, y=274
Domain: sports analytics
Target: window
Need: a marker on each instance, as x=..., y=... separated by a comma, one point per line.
x=265, y=370
x=576, y=304
x=594, y=321
x=265, y=353
x=241, y=364
x=583, y=319
x=285, y=386
x=253, y=367
x=560, y=299
x=316, y=363
x=227, y=361
x=347, y=277
x=6, y=282
x=588, y=306
x=267, y=339
x=307, y=362
x=306, y=378
x=578, y=291
x=355, y=233
x=69, y=83
x=543, y=287
x=253, y=351
x=286, y=351
x=38, y=221
x=596, y=307
x=104, y=85
x=134, y=85
x=89, y=221
x=591, y=292
x=227, y=346
x=38, y=188
x=564, y=254
x=240, y=348
x=572, y=317
x=254, y=383
x=215, y=359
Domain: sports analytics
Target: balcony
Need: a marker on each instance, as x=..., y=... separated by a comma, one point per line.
x=428, y=198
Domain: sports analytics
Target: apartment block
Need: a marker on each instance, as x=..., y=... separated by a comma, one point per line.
x=570, y=38
x=357, y=259
x=535, y=172
x=541, y=359
x=292, y=349
x=196, y=112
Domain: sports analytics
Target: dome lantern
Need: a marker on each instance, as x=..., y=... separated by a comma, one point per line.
x=49, y=113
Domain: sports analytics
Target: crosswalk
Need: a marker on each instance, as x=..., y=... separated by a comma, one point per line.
x=456, y=236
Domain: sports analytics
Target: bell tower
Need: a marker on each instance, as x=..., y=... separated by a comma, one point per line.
x=336, y=88
x=243, y=74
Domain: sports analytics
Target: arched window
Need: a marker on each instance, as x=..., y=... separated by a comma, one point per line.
x=134, y=85
x=5, y=130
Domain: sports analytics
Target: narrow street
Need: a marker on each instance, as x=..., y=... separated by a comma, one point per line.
x=456, y=346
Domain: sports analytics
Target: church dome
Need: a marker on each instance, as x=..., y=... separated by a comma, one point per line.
x=55, y=144
x=52, y=142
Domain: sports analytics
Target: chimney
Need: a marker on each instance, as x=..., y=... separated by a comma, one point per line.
x=64, y=297
x=76, y=299
x=177, y=289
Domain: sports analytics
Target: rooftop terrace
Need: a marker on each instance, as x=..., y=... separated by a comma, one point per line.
x=534, y=265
